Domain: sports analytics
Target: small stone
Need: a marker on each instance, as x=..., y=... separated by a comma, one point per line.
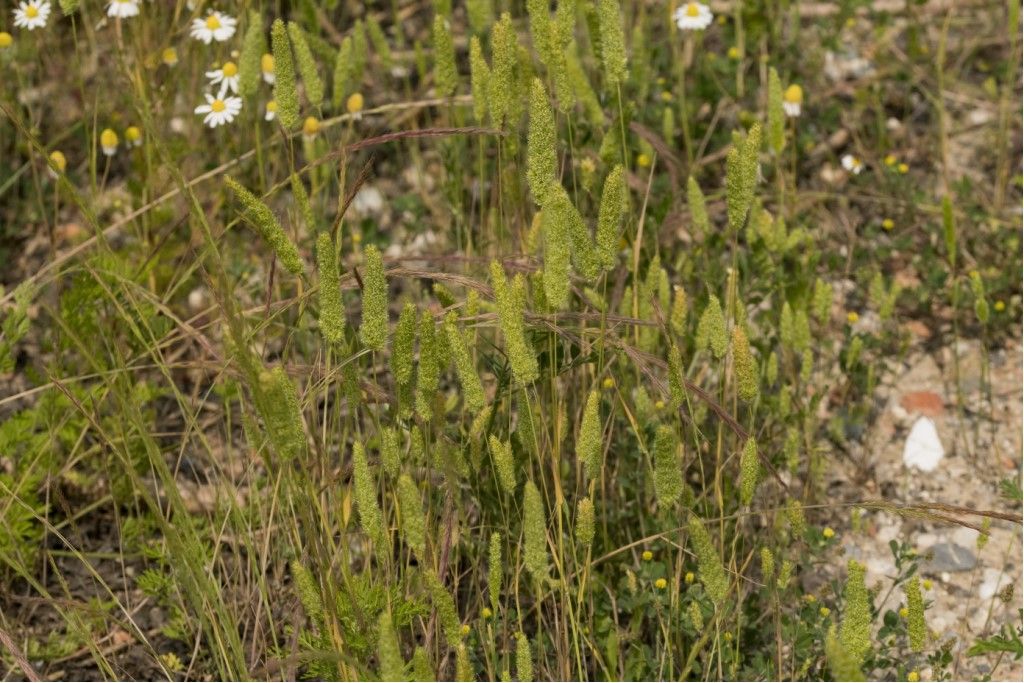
x=926, y=403
x=949, y=557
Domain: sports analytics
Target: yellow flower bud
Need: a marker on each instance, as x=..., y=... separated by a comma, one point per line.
x=661, y=584
x=58, y=160
x=354, y=103
x=310, y=127
x=169, y=56
x=6, y=40
x=828, y=532
x=647, y=556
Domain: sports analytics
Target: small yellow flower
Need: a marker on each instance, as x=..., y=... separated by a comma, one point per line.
x=169, y=56
x=660, y=584
x=659, y=405
x=904, y=612
x=588, y=165
x=6, y=40
x=357, y=237
x=903, y=168
x=666, y=96
x=927, y=583
x=486, y=613
x=310, y=127
x=829, y=532
x=642, y=160
x=733, y=53
x=608, y=383
x=689, y=577
x=354, y=103
x=172, y=661
x=108, y=141
x=647, y=556
x=133, y=136
x=728, y=636
x=913, y=677
x=852, y=317
x=465, y=630
x=58, y=160
x=1000, y=306
x=810, y=599
x=824, y=611
x=888, y=223
x=890, y=160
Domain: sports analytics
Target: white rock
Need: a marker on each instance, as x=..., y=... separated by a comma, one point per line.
x=923, y=449
x=993, y=581
x=368, y=200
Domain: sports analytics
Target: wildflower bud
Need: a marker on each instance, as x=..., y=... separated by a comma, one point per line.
x=711, y=329
x=422, y=669
x=843, y=664
x=585, y=525
x=108, y=142
x=429, y=370
x=542, y=158
x=767, y=564
x=463, y=666
x=676, y=382
x=744, y=365
x=668, y=472
x=374, y=328
x=281, y=413
x=524, y=660
x=253, y=47
x=613, y=42
x=446, y=76
x=58, y=162
x=479, y=78
x=855, y=630
x=696, y=617
x=741, y=177
x=309, y=592
x=473, y=390
x=494, y=570
x=402, y=345
x=366, y=496
x=414, y=524
x=785, y=573
x=511, y=300
x=344, y=73
x=797, y=521
x=302, y=200
x=390, y=455
x=285, y=91
x=588, y=444
x=504, y=59
x=332, y=311
x=776, y=115
x=750, y=471
x=916, y=627
x=380, y=42
x=169, y=56
x=613, y=205
x=389, y=654
x=504, y=464
x=535, y=551
x=580, y=84
x=712, y=573
x=444, y=604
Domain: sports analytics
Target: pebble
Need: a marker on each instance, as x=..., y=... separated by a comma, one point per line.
x=923, y=449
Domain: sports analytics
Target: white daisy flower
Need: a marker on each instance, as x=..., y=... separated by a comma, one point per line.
x=267, y=67
x=122, y=9
x=852, y=164
x=227, y=76
x=32, y=14
x=219, y=110
x=792, y=99
x=693, y=16
x=271, y=111
x=216, y=26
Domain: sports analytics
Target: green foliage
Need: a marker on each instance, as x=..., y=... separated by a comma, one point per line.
x=332, y=312
x=446, y=76
x=314, y=87
x=542, y=157
x=374, y=328
x=855, y=630
x=254, y=45
x=668, y=476
x=285, y=89
x=535, y=546
x=262, y=218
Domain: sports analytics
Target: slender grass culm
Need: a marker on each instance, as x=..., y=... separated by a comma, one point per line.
x=554, y=340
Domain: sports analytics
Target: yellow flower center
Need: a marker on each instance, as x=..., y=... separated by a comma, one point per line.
x=170, y=56
x=310, y=126
x=794, y=94
x=108, y=138
x=58, y=160
x=212, y=22
x=31, y=11
x=6, y=39
x=132, y=134
x=692, y=10
x=217, y=106
x=354, y=104
x=267, y=63
x=229, y=69
x=272, y=106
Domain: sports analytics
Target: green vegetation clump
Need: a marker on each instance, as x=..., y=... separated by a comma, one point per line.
x=546, y=340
